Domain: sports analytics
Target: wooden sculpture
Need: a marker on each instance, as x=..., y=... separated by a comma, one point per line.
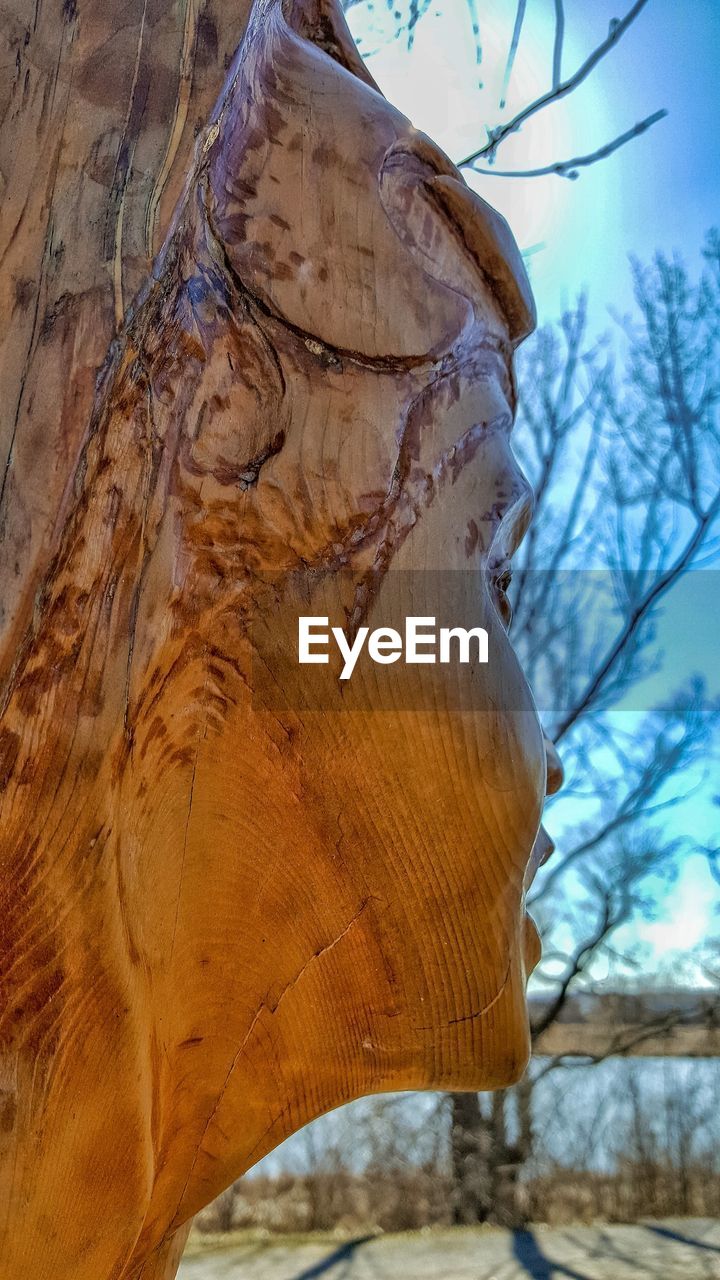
x=223, y=914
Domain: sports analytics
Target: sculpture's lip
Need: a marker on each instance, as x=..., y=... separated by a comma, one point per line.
x=544, y=846
x=555, y=771
x=532, y=943
x=542, y=851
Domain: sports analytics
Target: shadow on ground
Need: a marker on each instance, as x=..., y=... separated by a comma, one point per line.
x=344, y=1253
x=527, y=1252
x=671, y=1234
x=674, y=1249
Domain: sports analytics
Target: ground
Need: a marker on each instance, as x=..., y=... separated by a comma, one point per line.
x=674, y=1249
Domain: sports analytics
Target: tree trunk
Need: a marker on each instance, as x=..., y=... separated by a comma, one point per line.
x=486, y=1165
x=508, y=1193
x=472, y=1160
x=226, y=908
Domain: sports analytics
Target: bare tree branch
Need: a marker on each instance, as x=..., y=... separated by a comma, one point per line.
x=660, y=587
x=558, y=43
x=609, y=920
x=625, y=1043
x=569, y=168
x=475, y=20
x=498, y=135
x=517, y=31
x=669, y=755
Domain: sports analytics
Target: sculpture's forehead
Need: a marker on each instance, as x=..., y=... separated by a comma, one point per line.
x=347, y=222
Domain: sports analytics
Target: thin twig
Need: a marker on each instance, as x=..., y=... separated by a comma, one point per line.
x=569, y=168
x=639, y=613
x=499, y=134
x=517, y=30
x=558, y=45
x=477, y=37
x=622, y=1045
x=607, y=922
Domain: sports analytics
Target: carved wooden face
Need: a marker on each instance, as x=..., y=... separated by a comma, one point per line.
x=252, y=908
x=352, y=436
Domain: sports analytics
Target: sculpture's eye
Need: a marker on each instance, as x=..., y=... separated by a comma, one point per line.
x=458, y=238
x=486, y=236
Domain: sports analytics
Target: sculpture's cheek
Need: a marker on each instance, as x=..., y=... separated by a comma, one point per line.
x=439, y=813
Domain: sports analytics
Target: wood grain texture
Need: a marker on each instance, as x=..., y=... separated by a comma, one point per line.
x=100, y=105
x=221, y=917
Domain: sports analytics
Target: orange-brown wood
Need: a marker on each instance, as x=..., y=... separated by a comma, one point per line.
x=226, y=910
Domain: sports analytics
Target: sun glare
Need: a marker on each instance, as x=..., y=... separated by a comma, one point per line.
x=443, y=88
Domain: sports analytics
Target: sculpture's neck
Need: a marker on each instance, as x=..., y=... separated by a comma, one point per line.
x=79, y=1013
x=177, y=949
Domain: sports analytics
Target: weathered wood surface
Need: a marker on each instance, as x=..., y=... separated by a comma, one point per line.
x=220, y=919
x=100, y=105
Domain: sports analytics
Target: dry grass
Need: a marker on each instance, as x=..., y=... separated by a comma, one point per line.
x=300, y=1205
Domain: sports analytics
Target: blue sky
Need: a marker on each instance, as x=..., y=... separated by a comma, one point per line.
x=661, y=191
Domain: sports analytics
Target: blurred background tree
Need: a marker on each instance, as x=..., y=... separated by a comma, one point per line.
x=624, y=454
x=619, y=433
x=619, y=436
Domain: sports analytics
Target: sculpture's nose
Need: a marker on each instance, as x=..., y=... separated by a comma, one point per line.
x=513, y=513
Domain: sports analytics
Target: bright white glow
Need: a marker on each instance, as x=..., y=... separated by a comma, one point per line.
x=439, y=86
